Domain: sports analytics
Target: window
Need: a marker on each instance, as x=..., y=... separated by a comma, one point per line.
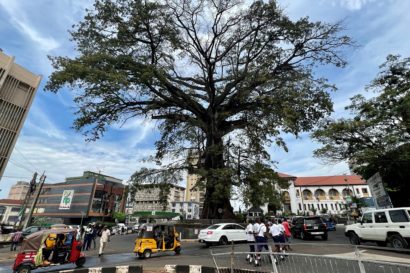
x=357, y=191
x=380, y=217
x=322, y=206
x=398, y=216
x=239, y=227
x=331, y=205
x=367, y=218
x=15, y=209
x=304, y=206
x=173, y=210
x=326, y=206
x=297, y=193
x=318, y=207
x=300, y=206
x=229, y=227
x=364, y=190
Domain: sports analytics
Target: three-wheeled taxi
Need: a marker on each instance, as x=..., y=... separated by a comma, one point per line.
x=155, y=238
x=49, y=247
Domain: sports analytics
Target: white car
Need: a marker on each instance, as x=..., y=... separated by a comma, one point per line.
x=382, y=226
x=222, y=234
x=135, y=227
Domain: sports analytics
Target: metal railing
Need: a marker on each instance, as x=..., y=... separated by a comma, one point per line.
x=233, y=261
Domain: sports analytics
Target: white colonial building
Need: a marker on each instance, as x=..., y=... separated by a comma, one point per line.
x=321, y=193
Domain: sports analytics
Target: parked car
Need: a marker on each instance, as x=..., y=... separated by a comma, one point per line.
x=32, y=229
x=307, y=227
x=382, y=226
x=330, y=223
x=135, y=227
x=222, y=234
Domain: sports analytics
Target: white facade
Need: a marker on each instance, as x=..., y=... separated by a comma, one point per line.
x=148, y=199
x=323, y=193
x=9, y=211
x=189, y=210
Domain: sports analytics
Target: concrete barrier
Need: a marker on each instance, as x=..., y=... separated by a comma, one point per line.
x=112, y=269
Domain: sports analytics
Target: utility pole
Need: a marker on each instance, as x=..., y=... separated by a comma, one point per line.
x=33, y=205
x=32, y=188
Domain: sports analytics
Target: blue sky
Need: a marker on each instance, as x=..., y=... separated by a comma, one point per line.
x=31, y=30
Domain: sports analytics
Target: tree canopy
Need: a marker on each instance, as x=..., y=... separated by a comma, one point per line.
x=377, y=136
x=217, y=75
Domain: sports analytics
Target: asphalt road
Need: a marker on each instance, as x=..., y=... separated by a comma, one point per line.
x=119, y=252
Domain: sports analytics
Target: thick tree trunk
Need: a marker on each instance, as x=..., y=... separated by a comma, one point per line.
x=217, y=203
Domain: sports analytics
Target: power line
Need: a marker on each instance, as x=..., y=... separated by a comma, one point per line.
x=21, y=166
x=20, y=177
x=25, y=158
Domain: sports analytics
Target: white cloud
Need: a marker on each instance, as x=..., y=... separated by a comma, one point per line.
x=20, y=21
x=354, y=4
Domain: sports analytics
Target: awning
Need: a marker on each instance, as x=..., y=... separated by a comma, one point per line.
x=156, y=214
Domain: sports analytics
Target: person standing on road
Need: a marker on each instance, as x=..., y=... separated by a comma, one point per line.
x=16, y=239
x=93, y=237
x=105, y=238
x=250, y=237
x=88, y=237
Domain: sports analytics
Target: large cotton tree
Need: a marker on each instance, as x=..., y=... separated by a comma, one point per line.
x=219, y=76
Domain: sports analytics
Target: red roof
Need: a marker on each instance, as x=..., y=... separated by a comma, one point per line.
x=11, y=201
x=330, y=180
x=284, y=175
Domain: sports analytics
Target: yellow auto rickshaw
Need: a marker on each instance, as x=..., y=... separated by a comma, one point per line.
x=155, y=238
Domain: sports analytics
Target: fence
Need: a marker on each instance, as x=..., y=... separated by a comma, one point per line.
x=280, y=262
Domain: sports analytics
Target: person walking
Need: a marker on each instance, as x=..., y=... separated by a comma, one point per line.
x=105, y=238
x=250, y=237
x=16, y=239
x=288, y=234
x=261, y=240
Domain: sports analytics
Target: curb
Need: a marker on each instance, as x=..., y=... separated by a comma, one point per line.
x=205, y=269
x=116, y=269
x=189, y=269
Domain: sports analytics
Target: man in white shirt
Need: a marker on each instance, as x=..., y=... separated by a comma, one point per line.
x=250, y=237
x=104, y=239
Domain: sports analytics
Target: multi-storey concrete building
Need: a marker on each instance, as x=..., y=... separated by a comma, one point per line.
x=193, y=193
x=19, y=190
x=17, y=89
x=188, y=210
x=10, y=211
x=91, y=197
x=321, y=193
x=150, y=197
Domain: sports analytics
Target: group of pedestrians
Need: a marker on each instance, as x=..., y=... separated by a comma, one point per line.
x=259, y=232
x=89, y=236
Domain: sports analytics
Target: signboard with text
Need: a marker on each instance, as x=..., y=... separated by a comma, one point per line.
x=380, y=195
x=66, y=199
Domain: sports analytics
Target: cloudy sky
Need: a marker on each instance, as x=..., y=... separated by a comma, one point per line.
x=31, y=30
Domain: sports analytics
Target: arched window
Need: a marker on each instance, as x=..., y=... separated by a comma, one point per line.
x=347, y=192
x=334, y=194
x=320, y=194
x=285, y=197
x=307, y=195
